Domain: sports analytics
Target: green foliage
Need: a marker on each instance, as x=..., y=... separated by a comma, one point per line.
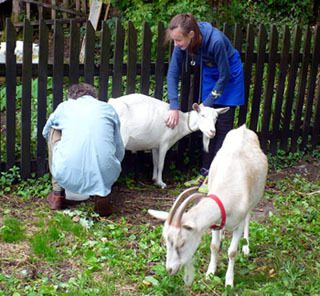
x=11, y=180
x=12, y=230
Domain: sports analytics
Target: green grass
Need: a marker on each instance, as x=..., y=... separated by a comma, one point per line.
x=74, y=252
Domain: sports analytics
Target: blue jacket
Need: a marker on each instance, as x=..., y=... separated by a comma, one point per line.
x=216, y=50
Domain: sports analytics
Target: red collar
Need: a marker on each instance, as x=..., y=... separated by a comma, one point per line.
x=223, y=212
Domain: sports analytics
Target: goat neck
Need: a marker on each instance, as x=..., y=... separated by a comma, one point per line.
x=205, y=214
x=192, y=122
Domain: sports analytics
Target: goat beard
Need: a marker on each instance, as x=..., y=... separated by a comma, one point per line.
x=205, y=141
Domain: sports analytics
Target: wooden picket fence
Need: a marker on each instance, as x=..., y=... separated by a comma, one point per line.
x=280, y=69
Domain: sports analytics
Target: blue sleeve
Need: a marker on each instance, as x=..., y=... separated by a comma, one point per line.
x=173, y=75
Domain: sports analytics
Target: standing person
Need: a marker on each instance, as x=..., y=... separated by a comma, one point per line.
x=221, y=75
x=85, y=148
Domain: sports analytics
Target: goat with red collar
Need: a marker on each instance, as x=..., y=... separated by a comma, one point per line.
x=236, y=184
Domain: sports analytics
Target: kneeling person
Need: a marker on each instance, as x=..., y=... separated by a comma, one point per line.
x=85, y=147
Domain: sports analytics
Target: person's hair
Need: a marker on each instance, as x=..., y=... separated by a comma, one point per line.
x=76, y=91
x=186, y=23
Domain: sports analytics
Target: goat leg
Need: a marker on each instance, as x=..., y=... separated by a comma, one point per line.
x=215, y=246
x=232, y=253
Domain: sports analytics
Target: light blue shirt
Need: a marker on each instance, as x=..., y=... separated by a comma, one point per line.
x=88, y=158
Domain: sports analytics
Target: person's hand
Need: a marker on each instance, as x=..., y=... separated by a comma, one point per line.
x=172, y=118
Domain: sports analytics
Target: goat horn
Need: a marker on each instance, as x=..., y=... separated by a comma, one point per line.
x=184, y=205
x=178, y=201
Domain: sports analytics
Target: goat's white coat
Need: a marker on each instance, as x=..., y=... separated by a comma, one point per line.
x=237, y=176
x=142, y=127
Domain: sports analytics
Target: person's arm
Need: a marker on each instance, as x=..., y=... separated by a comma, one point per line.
x=173, y=75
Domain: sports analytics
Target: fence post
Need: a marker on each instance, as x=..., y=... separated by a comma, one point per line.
x=290, y=88
x=268, y=96
x=258, y=86
x=301, y=89
x=283, y=70
x=132, y=59
x=104, y=62
x=74, y=53
x=146, y=59
x=159, y=67
x=58, y=58
x=311, y=87
x=117, y=61
x=89, y=54
x=247, y=70
x=26, y=101
x=11, y=84
x=42, y=96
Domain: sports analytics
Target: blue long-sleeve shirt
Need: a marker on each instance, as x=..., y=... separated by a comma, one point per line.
x=216, y=50
x=87, y=159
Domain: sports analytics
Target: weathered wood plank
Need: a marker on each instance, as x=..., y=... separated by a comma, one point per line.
x=258, y=86
x=58, y=59
x=247, y=70
x=315, y=61
x=301, y=90
x=42, y=97
x=11, y=85
x=267, y=112
x=132, y=59
x=74, y=52
x=283, y=71
x=159, y=67
x=146, y=59
x=104, y=62
x=290, y=89
x=117, y=61
x=26, y=102
x=89, y=54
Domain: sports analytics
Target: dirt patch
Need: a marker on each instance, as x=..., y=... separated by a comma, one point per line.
x=131, y=204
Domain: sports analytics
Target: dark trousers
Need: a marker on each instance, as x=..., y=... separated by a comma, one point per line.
x=223, y=125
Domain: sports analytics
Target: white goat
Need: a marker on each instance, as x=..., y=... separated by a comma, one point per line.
x=237, y=177
x=143, y=127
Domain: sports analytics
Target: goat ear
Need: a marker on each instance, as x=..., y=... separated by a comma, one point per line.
x=196, y=107
x=161, y=215
x=222, y=110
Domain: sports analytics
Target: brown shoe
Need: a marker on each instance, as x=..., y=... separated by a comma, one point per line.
x=55, y=200
x=103, y=205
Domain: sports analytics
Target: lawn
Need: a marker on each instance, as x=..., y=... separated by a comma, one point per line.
x=76, y=252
